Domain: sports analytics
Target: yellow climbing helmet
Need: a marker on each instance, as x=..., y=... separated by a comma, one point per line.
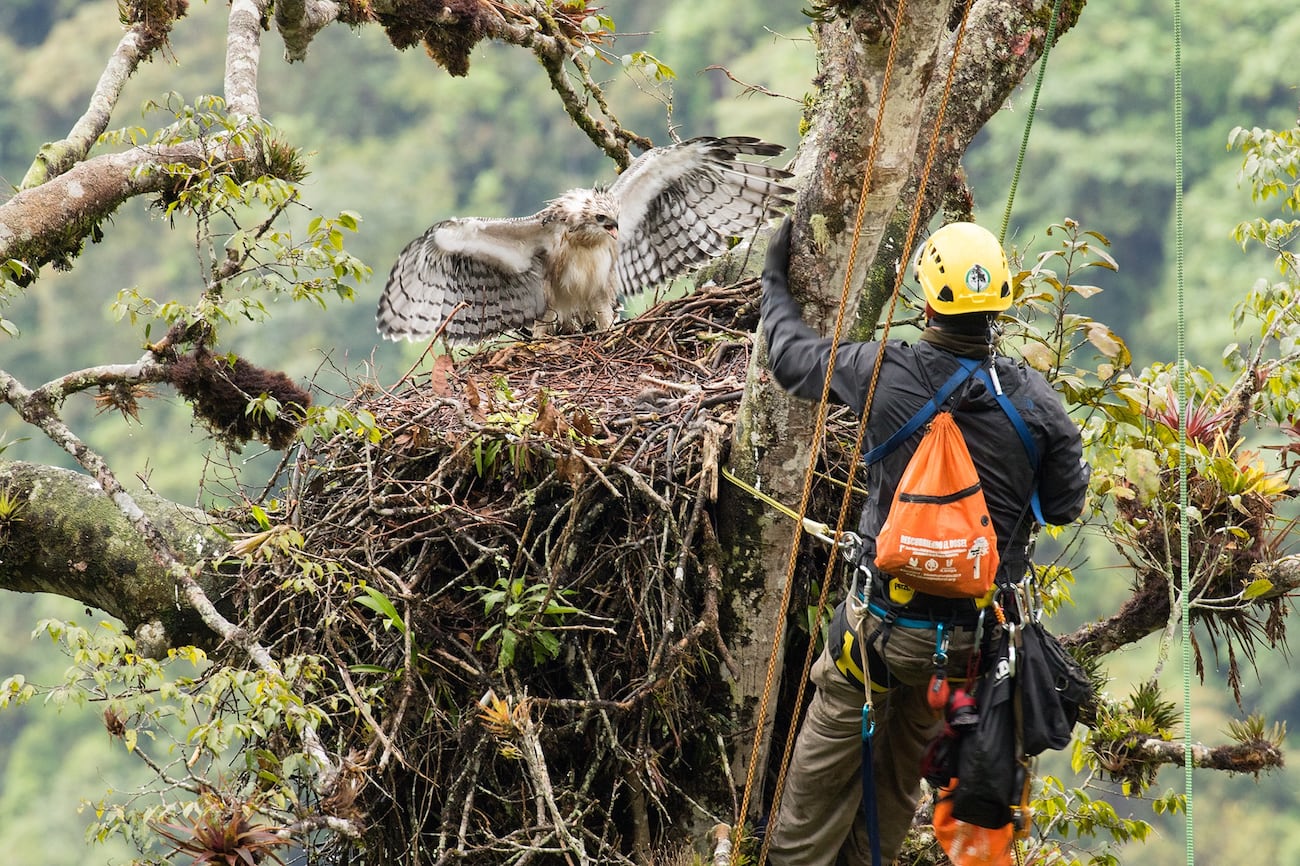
x=963, y=269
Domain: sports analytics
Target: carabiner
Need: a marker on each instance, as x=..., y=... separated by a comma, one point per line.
x=941, y=639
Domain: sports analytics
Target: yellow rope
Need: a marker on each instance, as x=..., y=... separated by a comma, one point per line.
x=908, y=240
x=810, y=526
x=855, y=459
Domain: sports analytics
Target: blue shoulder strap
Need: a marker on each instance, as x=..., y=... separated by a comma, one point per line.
x=1026, y=438
x=965, y=369
x=967, y=366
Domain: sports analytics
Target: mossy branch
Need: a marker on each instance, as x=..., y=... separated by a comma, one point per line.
x=1253, y=757
x=48, y=224
x=1138, y=618
x=141, y=39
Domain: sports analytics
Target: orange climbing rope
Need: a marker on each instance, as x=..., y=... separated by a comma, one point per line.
x=822, y=408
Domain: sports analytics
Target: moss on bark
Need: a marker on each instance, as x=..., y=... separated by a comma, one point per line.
x=59, y=533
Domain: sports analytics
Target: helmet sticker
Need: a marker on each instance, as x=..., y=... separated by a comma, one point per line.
x=978, y=278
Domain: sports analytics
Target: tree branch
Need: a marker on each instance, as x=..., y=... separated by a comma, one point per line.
x=137, y=45
x=1137, y=618
x=243, y=56
x=1251, y=757
x=36, y=409
x=65, y=537
x=299, y=21
x=66, y=197
x=147, y=369
x=544, y=37
x=48, y=223
x=554, y=36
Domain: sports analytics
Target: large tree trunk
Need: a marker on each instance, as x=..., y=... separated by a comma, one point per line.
x=774, y=436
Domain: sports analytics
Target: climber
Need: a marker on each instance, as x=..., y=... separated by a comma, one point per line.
x=963, y=272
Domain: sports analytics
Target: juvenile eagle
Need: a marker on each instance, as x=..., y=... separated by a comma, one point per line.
x=566, y=266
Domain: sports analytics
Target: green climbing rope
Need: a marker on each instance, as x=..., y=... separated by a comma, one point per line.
x=1029, y=120
x=1184, y=530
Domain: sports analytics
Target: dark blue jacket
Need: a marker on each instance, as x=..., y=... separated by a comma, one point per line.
x=910, y=375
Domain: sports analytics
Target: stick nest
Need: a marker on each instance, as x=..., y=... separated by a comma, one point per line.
x=514, y=591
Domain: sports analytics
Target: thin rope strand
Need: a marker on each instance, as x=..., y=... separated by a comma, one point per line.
x=1184, y=529
x=908, y=240
x=818, y=433
x=1029, y=121
x=827, y=578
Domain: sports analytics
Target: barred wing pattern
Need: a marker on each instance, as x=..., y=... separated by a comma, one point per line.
x=679, y=205
x=480, y=276
x=673, y=209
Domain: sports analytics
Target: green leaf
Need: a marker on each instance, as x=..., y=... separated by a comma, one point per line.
x=380, y=603
x=259, y=515
x=492, y=598
x=509, y=641
x=548, y=643
x=370, y=669
x=1256, y=588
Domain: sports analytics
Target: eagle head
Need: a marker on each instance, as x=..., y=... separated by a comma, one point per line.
x=589, y=216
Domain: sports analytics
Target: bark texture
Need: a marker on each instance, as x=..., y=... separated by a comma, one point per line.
x=61, y=534
x=48, y=224
x=1001, y=49
x=774, y=435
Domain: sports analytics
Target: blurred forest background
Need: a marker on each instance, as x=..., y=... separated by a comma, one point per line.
x=394, y=139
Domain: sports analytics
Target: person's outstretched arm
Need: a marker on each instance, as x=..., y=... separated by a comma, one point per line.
x=797, y=355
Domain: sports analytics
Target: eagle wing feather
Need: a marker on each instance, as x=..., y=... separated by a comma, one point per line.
x=677, y=208
x=680, y=205
x=480, y=276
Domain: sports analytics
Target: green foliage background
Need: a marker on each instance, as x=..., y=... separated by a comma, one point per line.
x=395, y=139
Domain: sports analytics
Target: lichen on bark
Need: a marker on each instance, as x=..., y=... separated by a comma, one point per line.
x=64, y=536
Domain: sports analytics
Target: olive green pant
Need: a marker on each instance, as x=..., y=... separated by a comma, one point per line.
x=820, y=815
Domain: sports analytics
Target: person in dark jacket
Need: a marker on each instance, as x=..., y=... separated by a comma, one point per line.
x=963, y=272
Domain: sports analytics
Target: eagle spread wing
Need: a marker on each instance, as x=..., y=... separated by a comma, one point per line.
x=672, y=210
x=679, y=205
x=479, y=276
